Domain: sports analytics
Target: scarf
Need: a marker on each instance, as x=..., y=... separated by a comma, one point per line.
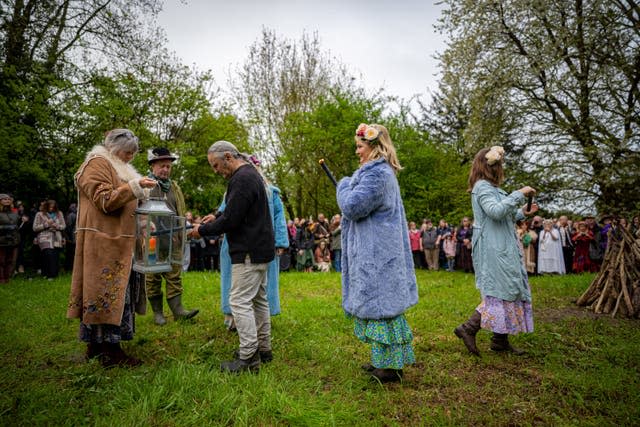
x=165, y=184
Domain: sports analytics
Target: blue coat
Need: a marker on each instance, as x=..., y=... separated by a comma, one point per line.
x=378, y=276
x=497, y=259
x=273, y=273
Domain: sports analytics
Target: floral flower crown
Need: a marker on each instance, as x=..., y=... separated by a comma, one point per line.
x=367, y=133
x=494, y=155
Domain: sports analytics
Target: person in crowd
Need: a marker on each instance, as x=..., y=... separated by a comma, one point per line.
x=196, y=249
x=499, y=271
x=550, y=258
x=160, y=162
x=635, y=226
x=378, y=276
x=607, y=223
x=624, y=223
x=211, y=254
x=304, y=244
x=248, y=226
x=278, y=222
x=443, y=227
x=529, y=240
x=596, y=254
x=429, y=245
x=582, y=239
x=36, y=253
x=70, y=249
x=9, y=237
x=322, y=220
x=48, y=225
x=292, y=229
x=536, y=227
x=463, y=242
x=25, y=230
x=105, y=293
x=336, y=243
x=415, y=239
x=565, y=231
x=320, y=229
x=322, y=257
x=449, y=247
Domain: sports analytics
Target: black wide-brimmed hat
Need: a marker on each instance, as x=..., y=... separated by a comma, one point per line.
x=160, y=153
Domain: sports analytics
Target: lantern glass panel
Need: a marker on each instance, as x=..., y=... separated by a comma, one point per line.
x=179, y=240
x=154, y=237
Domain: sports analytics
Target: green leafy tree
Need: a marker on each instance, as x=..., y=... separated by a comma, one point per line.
x=325, y=132
x=555, y=82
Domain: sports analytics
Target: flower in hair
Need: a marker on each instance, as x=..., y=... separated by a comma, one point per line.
x=368, y=133
x=494, y=155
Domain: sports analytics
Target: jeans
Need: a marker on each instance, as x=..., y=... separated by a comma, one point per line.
x=337, y=260
x=250, y=308
x=450, y=263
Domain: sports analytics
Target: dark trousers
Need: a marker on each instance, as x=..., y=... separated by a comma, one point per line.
x=567, y=254
x=50, y=263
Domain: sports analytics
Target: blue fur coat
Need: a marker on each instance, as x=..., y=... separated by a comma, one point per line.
x=378, y=277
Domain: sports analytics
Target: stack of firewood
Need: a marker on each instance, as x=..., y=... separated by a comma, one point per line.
x=616, y=288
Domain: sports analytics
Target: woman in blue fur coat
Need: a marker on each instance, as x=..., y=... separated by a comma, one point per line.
x=497, y=259
x=378, y=276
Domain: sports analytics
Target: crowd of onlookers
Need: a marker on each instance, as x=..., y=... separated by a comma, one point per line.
x=45, y=239
x=553, y=245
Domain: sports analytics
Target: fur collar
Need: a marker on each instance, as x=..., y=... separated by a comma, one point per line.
x=125, y=171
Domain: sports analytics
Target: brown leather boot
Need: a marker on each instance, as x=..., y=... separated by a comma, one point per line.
x=467, y=332
x=113, y=355
x=500, y=343
x=93, y=350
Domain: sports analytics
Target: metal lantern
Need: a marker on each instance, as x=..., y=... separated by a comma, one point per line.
x=160, y=237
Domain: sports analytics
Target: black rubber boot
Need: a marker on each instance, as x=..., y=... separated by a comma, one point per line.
x=156, y=306
x=467, y=332
x=179, y=312
x=265, y=356
x=500, y=343
x=387, y=375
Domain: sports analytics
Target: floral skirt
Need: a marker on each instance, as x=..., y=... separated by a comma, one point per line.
x=505, y=317
x=390, y=341
x=112, y=333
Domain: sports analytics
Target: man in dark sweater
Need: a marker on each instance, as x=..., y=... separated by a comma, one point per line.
x=247, y=223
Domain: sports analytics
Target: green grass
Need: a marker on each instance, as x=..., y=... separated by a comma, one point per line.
x=580, y=369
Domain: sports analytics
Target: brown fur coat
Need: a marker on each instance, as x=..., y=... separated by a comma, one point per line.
x=108, y=189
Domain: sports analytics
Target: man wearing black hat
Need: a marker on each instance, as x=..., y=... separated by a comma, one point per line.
x=160, y=162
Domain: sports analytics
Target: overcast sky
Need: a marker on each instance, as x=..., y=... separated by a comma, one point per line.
x=390, y=43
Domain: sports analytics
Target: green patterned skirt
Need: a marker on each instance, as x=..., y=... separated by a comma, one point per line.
x=390, y=341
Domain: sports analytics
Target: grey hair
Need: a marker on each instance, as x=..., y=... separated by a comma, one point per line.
x=120, y=140
x=220, y=147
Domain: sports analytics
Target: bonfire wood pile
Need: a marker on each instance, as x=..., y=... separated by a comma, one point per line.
x=616, y=288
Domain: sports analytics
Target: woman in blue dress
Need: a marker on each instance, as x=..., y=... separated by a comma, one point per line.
x=497, y=259
x=378, y=277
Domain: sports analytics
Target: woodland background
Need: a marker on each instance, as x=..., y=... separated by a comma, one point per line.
x=555, y=82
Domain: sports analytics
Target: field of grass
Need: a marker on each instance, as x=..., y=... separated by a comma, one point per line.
x=580, y=369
